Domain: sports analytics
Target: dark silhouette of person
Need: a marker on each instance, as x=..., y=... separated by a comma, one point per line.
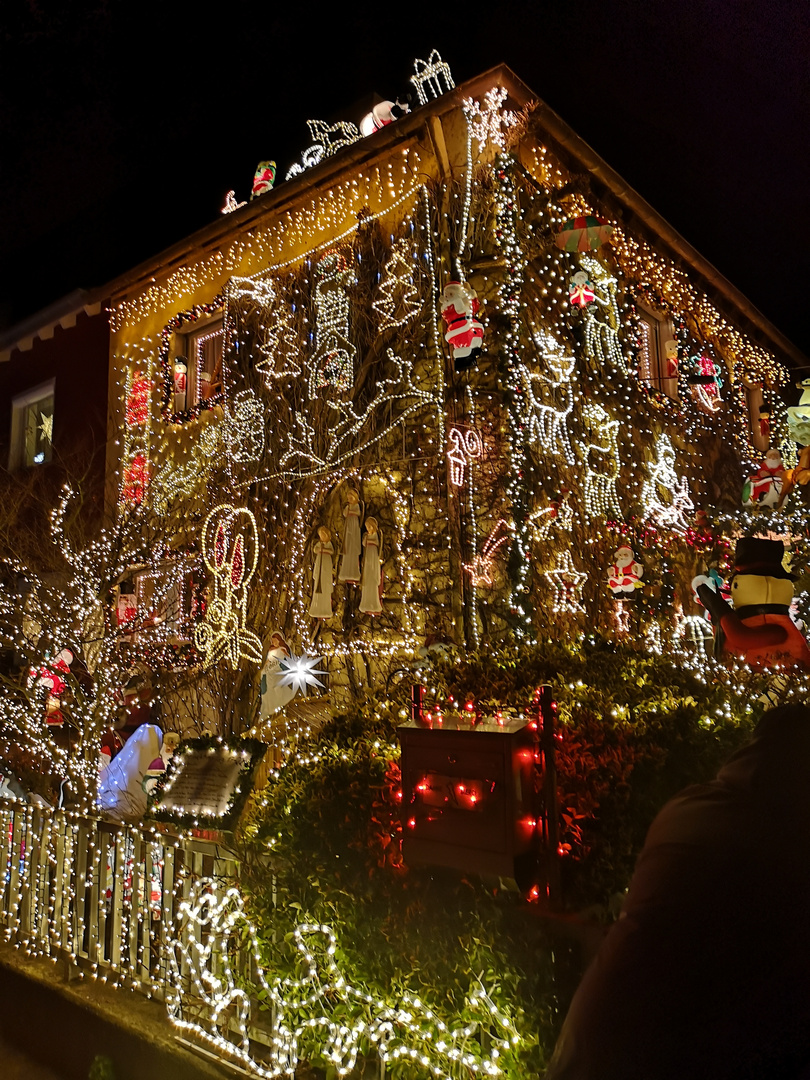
x=707, y=972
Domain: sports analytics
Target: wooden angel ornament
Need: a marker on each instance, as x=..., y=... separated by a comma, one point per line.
x=371, y=596
x=321, y=604
x=350, y=562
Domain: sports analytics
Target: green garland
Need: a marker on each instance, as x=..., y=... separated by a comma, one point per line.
x=227, y=820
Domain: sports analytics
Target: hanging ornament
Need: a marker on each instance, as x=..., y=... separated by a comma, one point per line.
x=705, y=383
x=459, y=309
x=300, y=672
x=624, y=574
x=321, y=604
x=263, y=179
x=581, y=291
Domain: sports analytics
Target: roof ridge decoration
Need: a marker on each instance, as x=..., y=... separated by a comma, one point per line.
x=430, y=74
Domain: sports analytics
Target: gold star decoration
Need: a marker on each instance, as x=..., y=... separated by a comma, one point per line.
x=46, y=427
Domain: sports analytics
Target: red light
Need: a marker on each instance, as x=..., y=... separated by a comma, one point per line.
x=534, y=893
x=469, y=706
x=412, y=823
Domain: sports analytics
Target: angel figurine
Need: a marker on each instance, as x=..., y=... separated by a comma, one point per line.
x=350, y=563
x=321, y=605
x=371, y=596
x=274, y=696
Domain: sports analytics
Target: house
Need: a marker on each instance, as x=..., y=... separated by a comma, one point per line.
x=449, y=383
x=53, y=386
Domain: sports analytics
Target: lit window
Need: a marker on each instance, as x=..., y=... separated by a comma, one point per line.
x=32, y=427
x=658, y=352
x=160, y=604
x=196, y=366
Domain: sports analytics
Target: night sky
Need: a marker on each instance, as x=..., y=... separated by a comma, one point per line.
x=123, y=125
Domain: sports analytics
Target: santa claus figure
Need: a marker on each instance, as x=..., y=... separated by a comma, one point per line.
x=624, y=574
x=263, y=178
x=459, y=309
x=765, y=486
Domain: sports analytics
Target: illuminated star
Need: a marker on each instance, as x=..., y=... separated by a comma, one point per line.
x=566, y=581
x=480, y=569
x=46, y=427
x=299, y=672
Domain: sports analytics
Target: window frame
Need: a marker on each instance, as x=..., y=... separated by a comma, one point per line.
x=20, y=404
x=660, y=329
x=180, y=338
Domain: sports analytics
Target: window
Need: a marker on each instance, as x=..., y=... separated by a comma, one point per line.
x=32, y=427
x=196, y=360
x=658, y=351
x=161, y=604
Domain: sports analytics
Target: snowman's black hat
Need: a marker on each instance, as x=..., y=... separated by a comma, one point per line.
x=756, y=555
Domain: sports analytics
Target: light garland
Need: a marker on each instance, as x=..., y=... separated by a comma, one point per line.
x=328, y=139
x=332, y=363
x=546, y=423
x=490, y=123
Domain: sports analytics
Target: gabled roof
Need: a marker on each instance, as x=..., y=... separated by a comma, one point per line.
x=605, y=187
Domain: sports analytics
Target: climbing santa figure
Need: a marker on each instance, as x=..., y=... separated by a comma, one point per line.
x=624, y=574
x=765, y=486
x=459, y=309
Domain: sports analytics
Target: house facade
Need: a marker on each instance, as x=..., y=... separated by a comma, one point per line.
x=448, y=385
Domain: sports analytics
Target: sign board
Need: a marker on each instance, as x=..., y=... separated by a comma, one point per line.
x=203, y=784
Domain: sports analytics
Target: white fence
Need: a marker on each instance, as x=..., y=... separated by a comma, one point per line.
x=142, y=909
x=103, y=897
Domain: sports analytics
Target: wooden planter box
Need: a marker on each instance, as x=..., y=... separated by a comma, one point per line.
x=468, y=797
